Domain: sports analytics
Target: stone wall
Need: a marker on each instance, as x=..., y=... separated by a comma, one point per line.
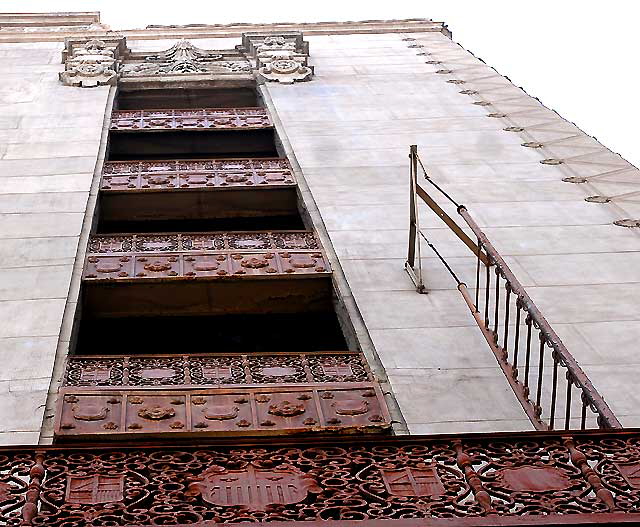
x=50, y=138
x=351, y=127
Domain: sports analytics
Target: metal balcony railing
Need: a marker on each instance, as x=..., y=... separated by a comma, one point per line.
x=550, y=385
x=472, y=480
x=191, y=119
x=189, y=174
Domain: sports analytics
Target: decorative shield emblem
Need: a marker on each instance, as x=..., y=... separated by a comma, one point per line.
x=91, y=490
x=416, y=482
x=528, y=478
x=95, y=374
x=253, y=487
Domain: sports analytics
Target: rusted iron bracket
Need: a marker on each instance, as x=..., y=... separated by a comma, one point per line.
x=413, y=267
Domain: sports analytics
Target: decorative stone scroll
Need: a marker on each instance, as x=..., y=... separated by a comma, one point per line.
x=279, y=57
x=92, y=63
x=183, y=58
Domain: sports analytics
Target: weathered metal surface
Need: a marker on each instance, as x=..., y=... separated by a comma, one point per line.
x=199, y=370
x=523, y=342
x=266, y=409
x=209, y=265
x=188, y=119
x=135, y=176
x=204, y=241
x=494, y=479
x=205, y=255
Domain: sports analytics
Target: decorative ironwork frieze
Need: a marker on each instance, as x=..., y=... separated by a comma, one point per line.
x=204, y=265
x=204, y=255
x=92, y=63
x=279, y=57
x=189, y=174
x=493, y=479
x=185, y=59
x=205, y=241
x=187, y=119
x=200, y=370
x=267, y=409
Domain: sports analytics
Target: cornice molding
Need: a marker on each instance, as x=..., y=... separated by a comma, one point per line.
x=196, y=31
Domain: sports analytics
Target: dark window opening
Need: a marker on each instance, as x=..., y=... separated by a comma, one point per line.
x=262, y=223
x=188, y=144
x=207, y=334
x=175, y=98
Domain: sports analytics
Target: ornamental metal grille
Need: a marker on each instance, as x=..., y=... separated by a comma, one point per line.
x=200, y=119
x=128, y=176
x=512, y=479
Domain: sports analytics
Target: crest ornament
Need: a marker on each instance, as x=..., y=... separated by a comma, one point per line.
x=279, y=57
x=92, y=63
x=254, y=487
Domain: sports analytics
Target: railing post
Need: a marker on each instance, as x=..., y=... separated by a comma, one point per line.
x=415, y=271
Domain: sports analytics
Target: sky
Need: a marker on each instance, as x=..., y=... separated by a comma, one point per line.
x=579, y=58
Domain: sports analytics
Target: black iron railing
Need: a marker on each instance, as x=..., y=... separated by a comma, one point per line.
x=552, y=388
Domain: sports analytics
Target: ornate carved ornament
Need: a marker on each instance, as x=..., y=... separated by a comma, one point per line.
x=185, y=59
x=495, y=479
x=135, y=176
x=91, y=63
x=279, y=57
x=199, y=370
x=247, y=411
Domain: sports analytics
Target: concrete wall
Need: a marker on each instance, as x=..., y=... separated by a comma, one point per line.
x=351, y=127
x=49, y=143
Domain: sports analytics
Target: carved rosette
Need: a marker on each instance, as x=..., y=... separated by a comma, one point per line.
x=279, y=57
x=92, y=63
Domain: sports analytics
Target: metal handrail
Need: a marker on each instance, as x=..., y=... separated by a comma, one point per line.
x=508, y=353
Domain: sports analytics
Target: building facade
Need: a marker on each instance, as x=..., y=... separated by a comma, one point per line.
x=332, y=272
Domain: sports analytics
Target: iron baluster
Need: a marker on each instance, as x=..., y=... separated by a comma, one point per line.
x=554, y=392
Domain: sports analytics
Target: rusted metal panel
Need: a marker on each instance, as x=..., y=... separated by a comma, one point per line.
x=200, y=370
x=208, y=265
x=263, y=410
x=519, y=479
x=174, y=175
x=188, y=119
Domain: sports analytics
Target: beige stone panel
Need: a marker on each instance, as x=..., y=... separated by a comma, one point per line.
x=47, y=167
x=39, y=225
x=432, y=396
x=27, y=252
x=43, y=202
x=26, y=357
x=29, y=283
x=50, y=150
x=433, y=348
x=74, y=184
x=31, y=318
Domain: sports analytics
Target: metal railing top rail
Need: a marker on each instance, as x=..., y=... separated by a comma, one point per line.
x=489, y=256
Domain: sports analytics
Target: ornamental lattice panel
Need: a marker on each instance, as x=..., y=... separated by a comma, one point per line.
x=131, y=176
x=206, y=370
x=495, y=479
x=186, y=119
